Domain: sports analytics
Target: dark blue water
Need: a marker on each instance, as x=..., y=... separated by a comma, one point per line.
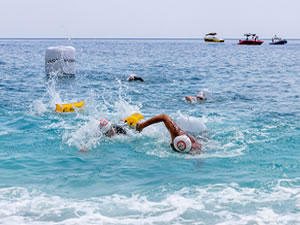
x=247, y=174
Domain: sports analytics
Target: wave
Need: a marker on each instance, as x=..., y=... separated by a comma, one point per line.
x=212, y=204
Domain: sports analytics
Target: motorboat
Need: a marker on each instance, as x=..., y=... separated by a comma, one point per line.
x=278, y=41
x=211, y=37
x=251, y=39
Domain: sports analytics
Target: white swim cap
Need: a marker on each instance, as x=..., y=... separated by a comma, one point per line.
x=104, y=126
x=131, y=77
x=201, y=95
x=182, y=143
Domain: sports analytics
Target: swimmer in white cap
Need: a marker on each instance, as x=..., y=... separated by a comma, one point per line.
x=193, y=99
x=110, y=130
x=133, y=77
x=181, y=140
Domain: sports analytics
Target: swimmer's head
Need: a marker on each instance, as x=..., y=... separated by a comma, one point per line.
x=104, y=126
x=131, y=77
x=182, y=143
x=201, y=95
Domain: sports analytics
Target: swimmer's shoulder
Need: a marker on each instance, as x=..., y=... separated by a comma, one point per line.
x=119, y=129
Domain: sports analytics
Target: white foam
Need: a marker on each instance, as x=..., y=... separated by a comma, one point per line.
x=86, y=134
x=39, y=107
x=53, y=93
x=2, y=133
x=211, y=204
x=43, y=105
x=123, y=109
x=227, y=143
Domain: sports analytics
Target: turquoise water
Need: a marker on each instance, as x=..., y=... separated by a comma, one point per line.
x=248, y=173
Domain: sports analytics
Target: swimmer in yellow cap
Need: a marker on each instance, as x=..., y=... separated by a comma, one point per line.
x=181, y=140
x=193, y=99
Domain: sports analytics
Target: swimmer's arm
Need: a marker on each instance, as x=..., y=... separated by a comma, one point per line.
x=190, y=99
x=156, y=119
x=169, y=123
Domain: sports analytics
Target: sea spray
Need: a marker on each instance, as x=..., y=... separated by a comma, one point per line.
x=86, y=134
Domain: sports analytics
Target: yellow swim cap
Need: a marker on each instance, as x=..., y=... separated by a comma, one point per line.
x=133, y=119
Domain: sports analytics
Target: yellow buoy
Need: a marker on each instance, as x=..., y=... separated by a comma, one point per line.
x=133, y=119
x=69, y=107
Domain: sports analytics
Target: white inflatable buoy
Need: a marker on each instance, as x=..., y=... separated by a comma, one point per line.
x=60, y=60
x=191, y=124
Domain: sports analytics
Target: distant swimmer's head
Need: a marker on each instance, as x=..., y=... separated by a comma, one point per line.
x=182, y=143
x=104, y=126
x=131, y=77
x=201, y=95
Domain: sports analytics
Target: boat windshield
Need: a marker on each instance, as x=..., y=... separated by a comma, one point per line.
x=211, y=34
x=249, y=34
x=276, y=37
x=253, y=36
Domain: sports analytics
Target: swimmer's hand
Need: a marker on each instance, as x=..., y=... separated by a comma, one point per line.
x=138, y=127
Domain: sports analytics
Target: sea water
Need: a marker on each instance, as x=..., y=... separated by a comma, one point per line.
x=248, y=173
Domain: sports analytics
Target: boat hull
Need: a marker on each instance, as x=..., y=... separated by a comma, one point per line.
x=250, y=42
x=282, y=42
x=213, y=40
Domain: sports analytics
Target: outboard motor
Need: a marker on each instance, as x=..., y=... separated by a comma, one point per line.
x=60, y=61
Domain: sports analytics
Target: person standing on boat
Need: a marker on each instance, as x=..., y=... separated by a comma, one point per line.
x=181, y=141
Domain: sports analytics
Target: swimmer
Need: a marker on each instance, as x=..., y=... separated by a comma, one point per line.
x=181, y=140
x=110, y=130
x=193, y=99
x=133, y=77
